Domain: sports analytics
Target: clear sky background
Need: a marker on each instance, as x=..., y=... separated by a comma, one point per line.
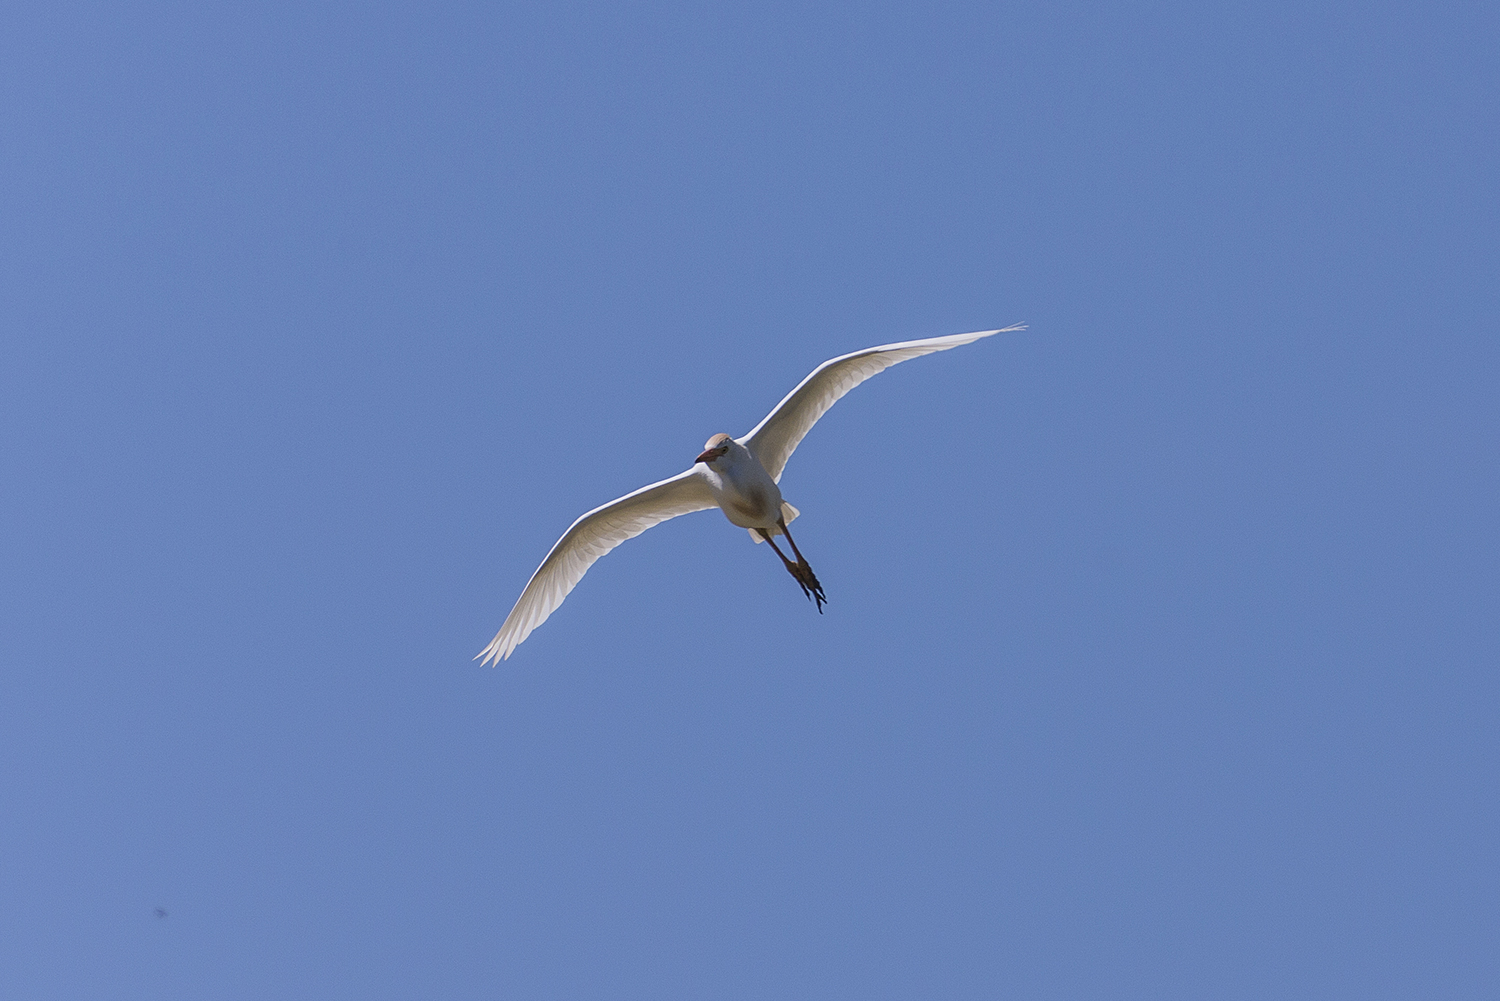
x=1162, y=657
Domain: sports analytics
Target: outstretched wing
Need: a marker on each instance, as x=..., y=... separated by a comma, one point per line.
x=775, y=439
x=589, y=538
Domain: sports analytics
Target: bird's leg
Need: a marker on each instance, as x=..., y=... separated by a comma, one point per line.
x=781, y=524
x=802, y=570
x=791, y=567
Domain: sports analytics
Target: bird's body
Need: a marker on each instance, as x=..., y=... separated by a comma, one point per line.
x=740, y=476
x=742, y=488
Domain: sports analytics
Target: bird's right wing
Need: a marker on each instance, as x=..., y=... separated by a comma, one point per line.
x=589, y=538
x=775, y=439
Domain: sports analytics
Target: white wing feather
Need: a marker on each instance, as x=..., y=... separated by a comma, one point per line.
x=775, y=439
x=589, y=538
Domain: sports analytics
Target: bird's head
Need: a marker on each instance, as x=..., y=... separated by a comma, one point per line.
x=715, y=448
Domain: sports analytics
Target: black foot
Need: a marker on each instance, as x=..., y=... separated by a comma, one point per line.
x=808, y=581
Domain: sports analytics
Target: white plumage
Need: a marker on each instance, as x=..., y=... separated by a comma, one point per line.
x=739, y=476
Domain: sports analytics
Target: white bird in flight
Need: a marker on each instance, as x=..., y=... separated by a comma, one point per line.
x=737, y=475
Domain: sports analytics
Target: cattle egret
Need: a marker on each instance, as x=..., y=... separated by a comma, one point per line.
x=740, y=476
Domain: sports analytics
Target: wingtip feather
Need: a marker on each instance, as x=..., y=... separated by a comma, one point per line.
x=1013, y=328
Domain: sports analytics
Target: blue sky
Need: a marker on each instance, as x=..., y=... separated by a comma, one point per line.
x=1160, y=658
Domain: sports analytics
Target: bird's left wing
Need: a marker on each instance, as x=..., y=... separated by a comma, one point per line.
x=774, y=439
x=589, y=538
